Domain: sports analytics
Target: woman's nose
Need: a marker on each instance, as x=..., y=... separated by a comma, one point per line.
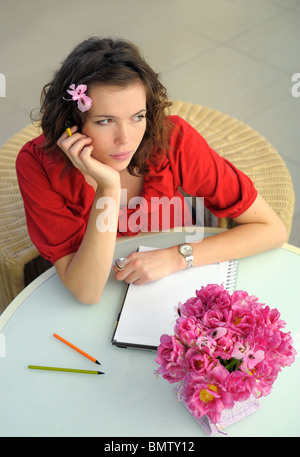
x=121, y=134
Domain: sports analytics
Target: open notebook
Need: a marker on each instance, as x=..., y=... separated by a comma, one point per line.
x=150, y=310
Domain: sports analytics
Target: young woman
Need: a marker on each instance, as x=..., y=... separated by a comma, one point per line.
x=121, y=138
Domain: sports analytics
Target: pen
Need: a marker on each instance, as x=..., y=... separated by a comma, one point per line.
x=68, y=129
x=76, y=349
x=66, y=370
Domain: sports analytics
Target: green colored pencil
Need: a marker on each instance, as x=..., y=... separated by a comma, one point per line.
x=68, y=370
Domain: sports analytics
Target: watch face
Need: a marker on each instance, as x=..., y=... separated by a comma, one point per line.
x=186, y=249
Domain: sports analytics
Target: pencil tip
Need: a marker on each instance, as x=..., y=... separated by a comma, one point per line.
x=100, y=372
x=97, y=362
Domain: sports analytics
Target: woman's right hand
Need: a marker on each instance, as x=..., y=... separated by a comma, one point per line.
x=85, y=272
x=78, y=148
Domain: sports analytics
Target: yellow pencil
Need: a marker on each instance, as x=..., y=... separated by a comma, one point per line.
x=67, y=370
x=68, y=130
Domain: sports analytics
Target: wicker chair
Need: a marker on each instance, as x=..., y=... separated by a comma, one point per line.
x=229, y=137
x=249, y=152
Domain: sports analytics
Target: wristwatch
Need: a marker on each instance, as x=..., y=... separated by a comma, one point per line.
x=187, y=251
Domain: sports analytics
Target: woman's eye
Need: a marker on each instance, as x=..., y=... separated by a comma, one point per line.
x=139, y=117
x=105, y=121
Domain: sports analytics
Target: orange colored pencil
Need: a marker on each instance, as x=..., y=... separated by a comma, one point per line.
x=76, y=349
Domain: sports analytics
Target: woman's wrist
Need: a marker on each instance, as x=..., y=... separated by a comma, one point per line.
x=178, y=260
x=111, y=187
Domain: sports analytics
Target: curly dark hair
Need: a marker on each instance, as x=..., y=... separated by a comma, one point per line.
x=111, y=62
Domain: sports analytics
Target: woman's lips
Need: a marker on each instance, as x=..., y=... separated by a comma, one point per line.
x=121, y=156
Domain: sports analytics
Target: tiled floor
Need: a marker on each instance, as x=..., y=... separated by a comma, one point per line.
x=237, y=56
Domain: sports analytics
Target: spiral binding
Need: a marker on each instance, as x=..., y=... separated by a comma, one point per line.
x=232, y=276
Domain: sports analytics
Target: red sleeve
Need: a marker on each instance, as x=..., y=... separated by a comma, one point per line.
x=201, y=172
x=55, y=225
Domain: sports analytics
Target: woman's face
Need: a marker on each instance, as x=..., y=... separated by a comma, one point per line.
x=116, y=123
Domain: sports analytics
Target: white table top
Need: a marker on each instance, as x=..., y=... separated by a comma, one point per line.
x=129, y=400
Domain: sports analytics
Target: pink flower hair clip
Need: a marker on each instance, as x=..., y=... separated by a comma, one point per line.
x=78, y=93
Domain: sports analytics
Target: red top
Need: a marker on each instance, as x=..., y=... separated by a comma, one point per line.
x=57, y=209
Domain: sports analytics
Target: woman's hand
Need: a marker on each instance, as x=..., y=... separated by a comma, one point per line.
x=78, y=148
x=144, y=267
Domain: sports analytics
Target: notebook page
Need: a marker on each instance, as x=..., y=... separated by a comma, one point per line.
x=150, y=310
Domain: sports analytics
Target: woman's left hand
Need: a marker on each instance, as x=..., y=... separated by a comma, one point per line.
x=144, y=267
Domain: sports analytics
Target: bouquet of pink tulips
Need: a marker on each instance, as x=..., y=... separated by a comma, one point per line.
x=225, y=348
